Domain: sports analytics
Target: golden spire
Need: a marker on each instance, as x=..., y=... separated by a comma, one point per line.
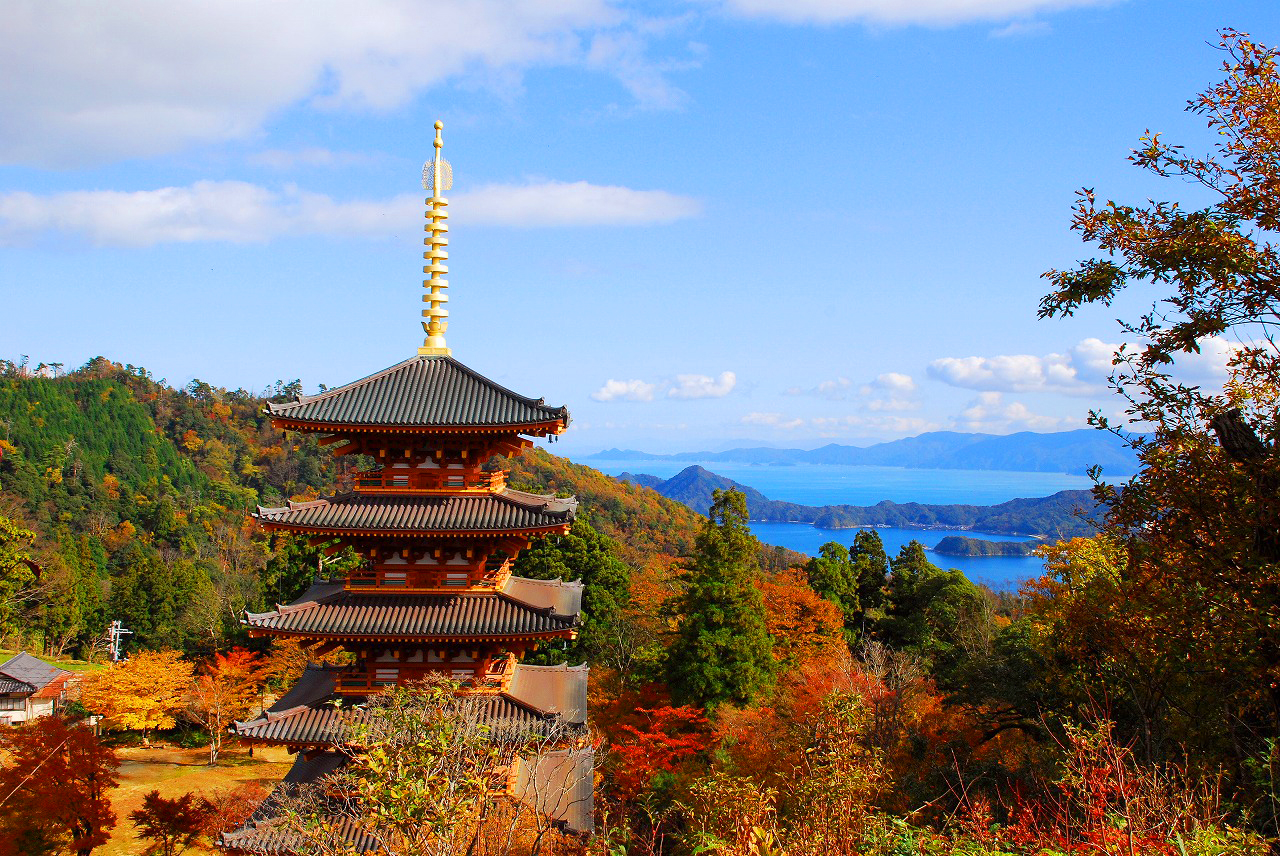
x=437, y=177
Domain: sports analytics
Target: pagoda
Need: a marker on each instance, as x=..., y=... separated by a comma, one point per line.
x=438, y=533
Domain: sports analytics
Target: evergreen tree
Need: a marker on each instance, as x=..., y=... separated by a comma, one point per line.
x=723, y=652
x=925, y=605
x=583, y=554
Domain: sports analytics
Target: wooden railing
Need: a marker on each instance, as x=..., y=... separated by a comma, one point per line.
x=385, y=675
x=429, y=481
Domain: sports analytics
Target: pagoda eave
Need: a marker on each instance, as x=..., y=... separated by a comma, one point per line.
x=273, y=526
x=565, y=633
x=540, y=429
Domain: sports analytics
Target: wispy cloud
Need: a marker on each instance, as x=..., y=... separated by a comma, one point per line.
x=89, y=83
x=681, y=387
x=990, y=413
x=889, y=391
x=897, y=12
x=241, y=212
x=625, y=390
x=838, y=427
x=1021, y=29
x=576, y=203
x=703, y=386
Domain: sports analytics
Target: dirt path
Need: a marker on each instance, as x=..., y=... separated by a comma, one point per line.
x=174, y=772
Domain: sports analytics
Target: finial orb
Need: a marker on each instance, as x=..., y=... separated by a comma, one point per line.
x=439, y=125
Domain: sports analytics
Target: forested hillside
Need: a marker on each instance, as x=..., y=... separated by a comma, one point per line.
x=138, y=498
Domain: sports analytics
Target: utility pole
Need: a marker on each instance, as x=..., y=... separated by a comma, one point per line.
x=115, y=637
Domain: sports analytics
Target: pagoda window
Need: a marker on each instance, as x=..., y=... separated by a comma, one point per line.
x=386, y=677
x=415, y=657
x=395, y=559
x=457, y=578
x=388, y=657
x=457, y=559
x=434, y=657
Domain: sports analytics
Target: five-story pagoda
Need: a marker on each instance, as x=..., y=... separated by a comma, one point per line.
x=439, y=534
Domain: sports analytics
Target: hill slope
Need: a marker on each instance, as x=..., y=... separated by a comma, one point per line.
x=1051, y=516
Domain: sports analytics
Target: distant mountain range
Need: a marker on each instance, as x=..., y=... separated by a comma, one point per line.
x=1071, y=452
x=1051, y=517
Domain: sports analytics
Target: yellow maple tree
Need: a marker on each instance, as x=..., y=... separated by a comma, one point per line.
x=142, y=693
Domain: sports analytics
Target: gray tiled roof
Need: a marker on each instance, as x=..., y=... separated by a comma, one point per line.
x=421, y=391
x=9, y=686
x=262, y=832
x=541, y=700
x=328, y=610
x=31, y=670
x=508, y=510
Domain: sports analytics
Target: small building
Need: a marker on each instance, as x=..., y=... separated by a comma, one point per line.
x=30, y=688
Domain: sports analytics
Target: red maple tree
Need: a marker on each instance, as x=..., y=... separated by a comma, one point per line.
x=53, y=791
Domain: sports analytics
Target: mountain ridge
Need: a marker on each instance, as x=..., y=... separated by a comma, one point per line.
x=1056, y=516
x=1072, y=452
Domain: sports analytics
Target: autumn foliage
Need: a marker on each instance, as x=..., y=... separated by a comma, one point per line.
x=54, y=789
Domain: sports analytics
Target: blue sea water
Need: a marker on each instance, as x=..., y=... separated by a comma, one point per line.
x=810, y=484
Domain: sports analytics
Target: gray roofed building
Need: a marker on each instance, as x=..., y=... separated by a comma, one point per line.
x=422, y=391
x=30, y=688
x=505, y=511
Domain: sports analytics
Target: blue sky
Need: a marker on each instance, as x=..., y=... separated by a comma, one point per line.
x=786, y=222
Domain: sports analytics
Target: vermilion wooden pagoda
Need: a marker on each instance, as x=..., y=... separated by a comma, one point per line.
x=439, y=534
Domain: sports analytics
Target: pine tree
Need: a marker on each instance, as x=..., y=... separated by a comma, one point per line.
x=723, y=652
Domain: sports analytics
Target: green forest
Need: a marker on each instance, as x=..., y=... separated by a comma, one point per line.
x=748, y=700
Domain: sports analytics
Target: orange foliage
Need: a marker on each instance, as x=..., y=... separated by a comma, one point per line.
x=802, y=623
x=111, y=486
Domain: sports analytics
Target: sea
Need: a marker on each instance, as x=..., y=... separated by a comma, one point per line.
x=813, y=484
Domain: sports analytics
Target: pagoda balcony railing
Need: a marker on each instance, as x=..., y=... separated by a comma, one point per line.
x=407, y=577
x=362, y=683
x=439, y=481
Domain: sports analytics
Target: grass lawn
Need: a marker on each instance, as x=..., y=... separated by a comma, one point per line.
x=174, y=772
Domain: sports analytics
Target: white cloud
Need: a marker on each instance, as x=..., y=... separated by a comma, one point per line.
x=625, y=390
x=703, y=386
x=1082, y=370
x=1021, y=29
x=577, y=203
x=894, y=382
x=91, y=82
x=240, y=212
x=897, y=12
x=989, y=413
x=890, y=391
x=772, y=420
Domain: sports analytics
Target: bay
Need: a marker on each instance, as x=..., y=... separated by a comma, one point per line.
x=810, y=484
x=1002, y=573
